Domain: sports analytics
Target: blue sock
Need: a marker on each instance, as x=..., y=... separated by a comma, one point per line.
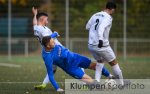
x=105, y=72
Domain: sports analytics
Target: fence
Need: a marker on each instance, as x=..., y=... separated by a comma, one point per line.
x=20, y=46
x=29, y=46
x=69, y=18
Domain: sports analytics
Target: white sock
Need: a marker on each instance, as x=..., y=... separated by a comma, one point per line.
x=84, y=72
x=118, y=73
x=110, y=76
x=98, y=71
x=46, y=79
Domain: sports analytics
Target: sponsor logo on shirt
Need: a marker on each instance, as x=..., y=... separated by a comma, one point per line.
x=59, y=52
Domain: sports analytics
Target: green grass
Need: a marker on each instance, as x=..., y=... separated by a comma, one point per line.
x=33, y=70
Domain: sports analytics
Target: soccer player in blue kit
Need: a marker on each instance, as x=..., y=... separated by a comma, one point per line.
x=69, y=61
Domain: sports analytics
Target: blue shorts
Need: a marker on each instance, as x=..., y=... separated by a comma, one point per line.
x=75, y=69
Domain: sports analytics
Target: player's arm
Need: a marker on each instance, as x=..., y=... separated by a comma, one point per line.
x=55, y=35
x=48, y=64
x=34, y=11
x=89, y=23
x=101, y=29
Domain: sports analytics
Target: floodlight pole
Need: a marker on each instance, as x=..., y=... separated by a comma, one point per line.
x=67, y=24
x=125, y=32
x=9, y=30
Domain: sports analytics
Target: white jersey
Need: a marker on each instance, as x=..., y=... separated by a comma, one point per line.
x=42, y=31
x=99, y=27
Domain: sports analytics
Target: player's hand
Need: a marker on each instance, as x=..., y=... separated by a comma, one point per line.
x=60, y=90
x=57, y=33
x=54, y=35
x=100, y=43
x=34, y=11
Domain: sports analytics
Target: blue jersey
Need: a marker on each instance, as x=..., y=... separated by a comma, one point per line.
x=61, y=57
x=70, y=62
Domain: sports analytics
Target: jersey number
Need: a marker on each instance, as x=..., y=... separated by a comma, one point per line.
x=97, y=22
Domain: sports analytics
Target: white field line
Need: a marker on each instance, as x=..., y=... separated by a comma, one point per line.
x=10, y=65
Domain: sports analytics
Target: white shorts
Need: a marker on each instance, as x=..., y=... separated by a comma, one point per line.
x=104, y=54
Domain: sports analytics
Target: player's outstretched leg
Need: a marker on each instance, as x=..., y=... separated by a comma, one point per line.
x=104, y=71
x=117, y=71
x=98, y=71
x=90, y=82
x=45, y=81
x=107, y=74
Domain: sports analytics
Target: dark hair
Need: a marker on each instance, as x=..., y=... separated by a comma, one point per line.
x=41, y=14
x=111, y=5
x=45, y=40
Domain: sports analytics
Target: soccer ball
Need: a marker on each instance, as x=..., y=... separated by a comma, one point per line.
x=110, y=84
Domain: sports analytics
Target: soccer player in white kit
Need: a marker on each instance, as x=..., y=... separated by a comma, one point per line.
x=99, y=27
x=40, y=20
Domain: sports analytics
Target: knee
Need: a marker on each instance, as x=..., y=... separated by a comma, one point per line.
x=92, y=65
x=112, y=63
x=100, y=61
